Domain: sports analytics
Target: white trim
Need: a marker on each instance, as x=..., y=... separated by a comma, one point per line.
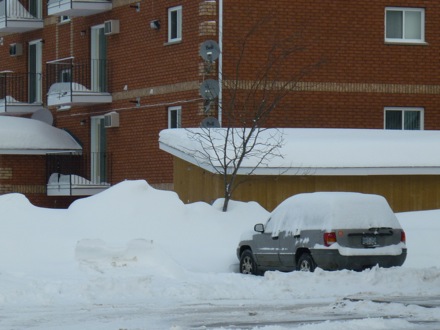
x=95, y=55
x=60, y=60
x=39, y=13
x=178, y=10
x=316, y=171
x=96, y=127
x=403, y=39
x=318, y=152
x=39, y=68
x=35, y=151
x=178, y=110
x=63, y=19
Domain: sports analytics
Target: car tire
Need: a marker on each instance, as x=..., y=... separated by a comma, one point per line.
x=247, y=263
x=306, y=263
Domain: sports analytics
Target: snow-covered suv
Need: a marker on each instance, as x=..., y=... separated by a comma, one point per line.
x=329, y=230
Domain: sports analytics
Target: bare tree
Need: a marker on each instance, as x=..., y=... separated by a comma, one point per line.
x=250, y=97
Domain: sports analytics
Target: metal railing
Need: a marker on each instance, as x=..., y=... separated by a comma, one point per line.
x=73, y=75
x=18, y=88
x=77, y=169
x=14, y=10
x=51, y=2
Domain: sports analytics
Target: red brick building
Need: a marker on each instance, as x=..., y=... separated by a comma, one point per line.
x=115, y=73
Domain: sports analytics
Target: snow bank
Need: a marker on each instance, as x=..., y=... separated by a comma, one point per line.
x=133, y=245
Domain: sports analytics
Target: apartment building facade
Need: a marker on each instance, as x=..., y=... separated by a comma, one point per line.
x=115, y=73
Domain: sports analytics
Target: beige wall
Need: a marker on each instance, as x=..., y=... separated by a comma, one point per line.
x=404, y=193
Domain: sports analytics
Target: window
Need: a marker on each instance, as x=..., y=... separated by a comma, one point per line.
x=35, y=8
x=174, y=117
x=405, y=25
x=65, y=75
x=98, y=51
x=35, y=70
x=64, y=19
x=404, y=118
x=175, y=24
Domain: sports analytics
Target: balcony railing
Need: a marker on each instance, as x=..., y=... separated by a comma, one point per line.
x=14, y=17
x=77, y=174
x=20, y=92
x=72, y=81
x=77, y=7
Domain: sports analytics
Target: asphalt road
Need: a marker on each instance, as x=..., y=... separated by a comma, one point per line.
x=244, y=316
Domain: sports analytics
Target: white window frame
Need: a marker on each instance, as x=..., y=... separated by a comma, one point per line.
x=39, y=8
x=178, y=11
x=403, y=110
x=98, y=145
x=64, y=19
x=177, y=111
x=37, y=83
x=404, y=10
x=98, y=52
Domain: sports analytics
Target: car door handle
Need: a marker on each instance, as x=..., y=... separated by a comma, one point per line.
x=274, y=237
x=296, y=236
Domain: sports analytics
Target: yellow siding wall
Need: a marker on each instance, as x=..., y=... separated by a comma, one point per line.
x=403, y=192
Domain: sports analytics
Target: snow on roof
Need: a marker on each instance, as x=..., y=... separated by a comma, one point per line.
x=33, y=137
x=331, y=152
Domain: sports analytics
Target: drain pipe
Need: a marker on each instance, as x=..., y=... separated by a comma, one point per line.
x=220, y=61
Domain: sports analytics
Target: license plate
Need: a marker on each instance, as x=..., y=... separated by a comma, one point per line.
x=369, y=240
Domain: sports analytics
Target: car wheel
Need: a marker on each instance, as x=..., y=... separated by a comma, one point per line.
x=247, y=263
x=306, y=263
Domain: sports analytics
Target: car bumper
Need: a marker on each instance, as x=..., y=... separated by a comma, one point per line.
x=333, y=260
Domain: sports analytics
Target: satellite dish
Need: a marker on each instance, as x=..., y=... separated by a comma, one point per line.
x=43, y=115
x=209, y=89
x=209, y=51
x=210, y=122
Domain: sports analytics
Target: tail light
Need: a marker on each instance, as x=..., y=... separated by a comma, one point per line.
x=402, y=237
x=329, y=238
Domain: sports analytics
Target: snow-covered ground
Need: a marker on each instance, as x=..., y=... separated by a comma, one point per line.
x=134, y=257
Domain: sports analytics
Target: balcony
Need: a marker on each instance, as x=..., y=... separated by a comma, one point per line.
x=77, y=7
x=74, y=174
x=73, y=82
x=19, y=93
x=15, y=18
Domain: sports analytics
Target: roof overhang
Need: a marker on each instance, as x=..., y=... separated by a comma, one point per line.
x=37, y=151
x=22, y=136
x=173, y=147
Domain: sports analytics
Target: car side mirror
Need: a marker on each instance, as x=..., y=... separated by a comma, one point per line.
x=259, y=228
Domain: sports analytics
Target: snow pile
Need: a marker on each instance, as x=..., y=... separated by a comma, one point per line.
x=142, y=250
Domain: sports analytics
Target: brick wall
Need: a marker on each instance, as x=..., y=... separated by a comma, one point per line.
x=359, y=74
x=25, y=175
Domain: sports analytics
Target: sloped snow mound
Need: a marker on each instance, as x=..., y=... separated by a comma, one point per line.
x=138, y=254
x=128, y=198
x=15, y=200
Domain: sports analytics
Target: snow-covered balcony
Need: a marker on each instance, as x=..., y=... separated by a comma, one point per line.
x=18, y=94
x=73, y=82
x=77, y=174
x=77, y=7
x=15, y=18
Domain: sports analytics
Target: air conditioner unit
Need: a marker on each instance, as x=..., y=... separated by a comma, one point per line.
x=111, y=27
x=111, y=120
x=15, y=49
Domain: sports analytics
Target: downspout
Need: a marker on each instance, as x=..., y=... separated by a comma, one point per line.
x=220, y=60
